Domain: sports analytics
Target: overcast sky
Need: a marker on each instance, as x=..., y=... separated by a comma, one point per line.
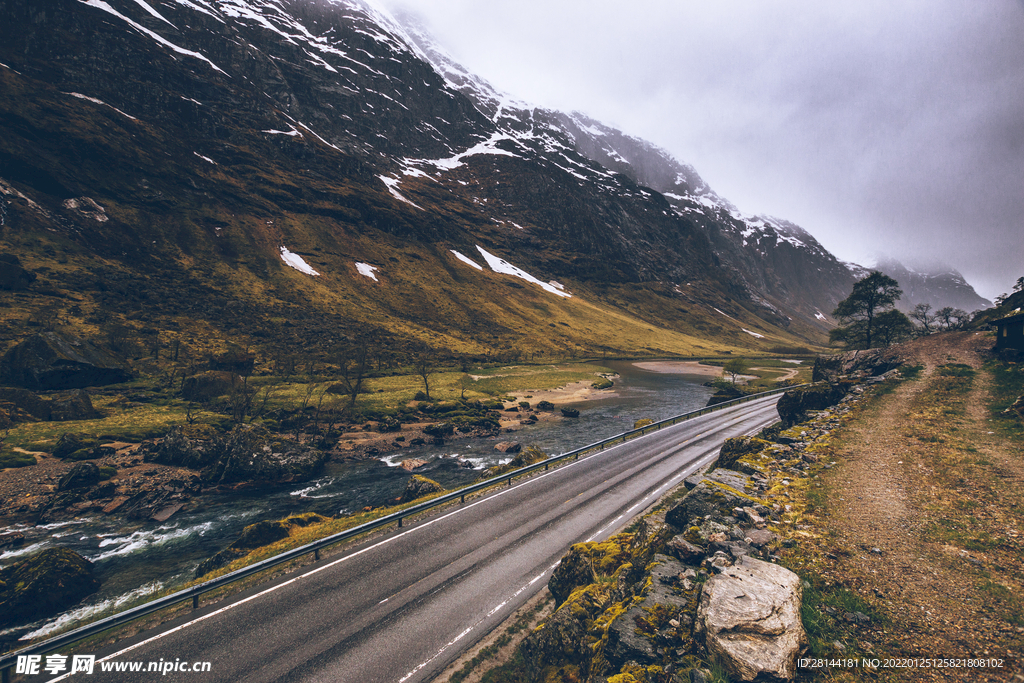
x=883, y=127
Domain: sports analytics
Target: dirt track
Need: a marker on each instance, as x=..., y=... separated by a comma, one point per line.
x=893, y=490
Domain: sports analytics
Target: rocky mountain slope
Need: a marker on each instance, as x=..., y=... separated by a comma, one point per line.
x=938, y=287
x=288, y=172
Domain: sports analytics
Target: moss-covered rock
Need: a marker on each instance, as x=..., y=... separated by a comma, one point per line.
x=576, y=569
x=70, y=442
x=257, y=535
x=418, y=487
x=44, y=584
x=738, y=447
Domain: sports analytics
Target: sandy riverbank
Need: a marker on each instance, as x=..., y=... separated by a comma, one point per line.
x=573, y=392
x=680, y=367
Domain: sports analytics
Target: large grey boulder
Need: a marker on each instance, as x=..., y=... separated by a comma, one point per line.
x=749, y=618
x=795, y=403
x=51, y=360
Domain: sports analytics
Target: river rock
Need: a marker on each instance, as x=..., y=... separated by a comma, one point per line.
x=81, y=475
x=749, y=618
x=52, y=360
x=570, y=412
x=508, y=447
x=546, y=406
x=418, y=487
x=44, y=584
x=411, y=464
x=248, y=454
x=440, y=430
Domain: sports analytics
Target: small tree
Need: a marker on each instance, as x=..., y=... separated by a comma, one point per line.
x=952, y=318
x=424, y=370
x=857, y=313
x=353, y=371
x=922, y=314
x=893, y=327
x=736, y=366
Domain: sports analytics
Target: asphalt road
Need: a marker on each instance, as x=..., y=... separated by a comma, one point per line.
x=400, y=608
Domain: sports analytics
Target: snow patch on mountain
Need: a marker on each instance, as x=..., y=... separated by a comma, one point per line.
x=99, y=4
x=96, y=101
x=296, y=262
x=488, y=146
x=392, y=185
x=367, y=270
x=465, y=259
x=500, y=265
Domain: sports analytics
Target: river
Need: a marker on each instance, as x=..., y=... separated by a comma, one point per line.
x=137, y=558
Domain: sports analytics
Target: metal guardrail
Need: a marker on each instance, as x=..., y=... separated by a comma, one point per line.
x=193, y=593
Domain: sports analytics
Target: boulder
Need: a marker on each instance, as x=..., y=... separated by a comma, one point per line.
x=81, y=475
x=795, y=403
x=27, y=401
x=546, y=406
x=685, y=551
x=75, y=405
x=91, y=453
x=44, y=584
x=12, y=275
x=418, y=487
x=570, y=412
x=411, y=464
x=710, y=497
x=52, y=360
x=69, y=442
x=508, y=447
x=855, y=364
x=248, y=454
x=735, y=448
x=749, y=618
x=563, y=637
x=178, y=450
x=210, y=384
x=440, y=429
x=722, y=395
x=576, y=569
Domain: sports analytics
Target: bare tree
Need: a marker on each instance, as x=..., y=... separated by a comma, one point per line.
x=353, y=370
x=923, y=316
x=424, y=368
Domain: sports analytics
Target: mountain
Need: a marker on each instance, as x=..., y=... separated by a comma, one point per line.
x=939, y=287
x=292, y=175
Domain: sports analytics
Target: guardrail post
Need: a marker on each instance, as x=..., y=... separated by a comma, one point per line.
x=195, y=601
x=6, y=675
x=316, y=554
x=399, y=522
x=510, y=481
x=463, y=501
